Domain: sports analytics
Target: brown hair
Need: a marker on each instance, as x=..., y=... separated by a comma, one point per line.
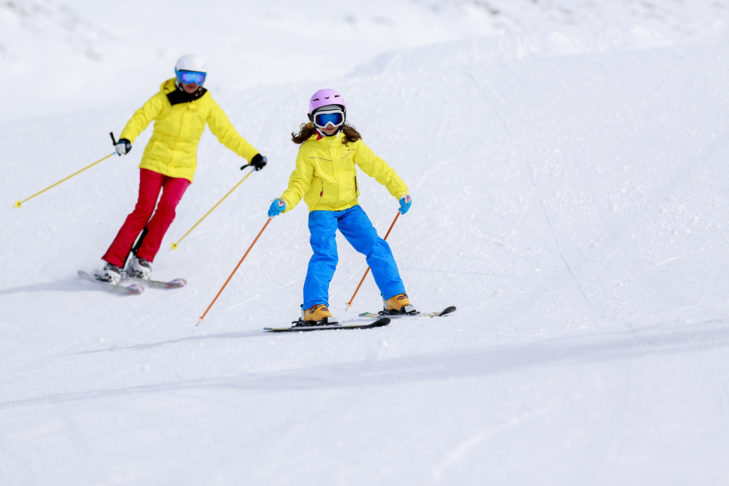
x=307, y=130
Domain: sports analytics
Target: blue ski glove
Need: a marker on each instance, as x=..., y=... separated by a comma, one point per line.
x=277, y=207
x=405, y=203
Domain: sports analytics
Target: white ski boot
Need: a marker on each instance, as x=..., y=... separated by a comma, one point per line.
x=110, y=273
x=140, y=268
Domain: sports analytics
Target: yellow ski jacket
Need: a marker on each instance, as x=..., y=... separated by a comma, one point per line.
x=178, y=126
x=326, y=175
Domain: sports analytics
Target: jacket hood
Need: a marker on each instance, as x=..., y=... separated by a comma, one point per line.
x=168, y=86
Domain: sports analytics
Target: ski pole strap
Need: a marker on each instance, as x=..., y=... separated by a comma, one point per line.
x=175, y=245
x=349, y=304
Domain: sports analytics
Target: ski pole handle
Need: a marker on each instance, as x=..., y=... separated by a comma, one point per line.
x=113, y=140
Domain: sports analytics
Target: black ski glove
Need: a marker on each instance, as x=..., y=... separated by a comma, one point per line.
x=259, y=161
x=123, y=146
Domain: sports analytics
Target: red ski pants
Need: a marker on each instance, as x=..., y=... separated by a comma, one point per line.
x=150, y=185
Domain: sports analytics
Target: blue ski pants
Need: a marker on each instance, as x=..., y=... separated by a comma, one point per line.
x=358, y=230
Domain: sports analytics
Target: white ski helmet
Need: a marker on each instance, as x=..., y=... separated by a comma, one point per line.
x=191, y=62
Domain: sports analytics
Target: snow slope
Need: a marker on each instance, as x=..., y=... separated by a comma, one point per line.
x=573, y=207
x=65, y=56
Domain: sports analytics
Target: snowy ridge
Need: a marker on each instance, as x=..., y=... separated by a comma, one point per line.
x=574, y=208
x=515, y=48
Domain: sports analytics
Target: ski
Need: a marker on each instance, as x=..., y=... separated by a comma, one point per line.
x=131, y=289
x=373, y=315
x=160, y=284
x=378, y=322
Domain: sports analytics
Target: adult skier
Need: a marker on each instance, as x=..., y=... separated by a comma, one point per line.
x=181, y=110
x=326, y=178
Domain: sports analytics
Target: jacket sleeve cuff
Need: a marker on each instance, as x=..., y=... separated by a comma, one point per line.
x=288, y=204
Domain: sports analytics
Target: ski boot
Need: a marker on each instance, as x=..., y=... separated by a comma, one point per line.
x=398, y=305
x=139, y=268
x=110, y=273
x=317, y=315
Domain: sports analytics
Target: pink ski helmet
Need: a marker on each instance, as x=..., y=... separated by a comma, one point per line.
x=325, y=97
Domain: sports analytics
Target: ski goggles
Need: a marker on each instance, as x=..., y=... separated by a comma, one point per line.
x=188, y=77
x=326, y=117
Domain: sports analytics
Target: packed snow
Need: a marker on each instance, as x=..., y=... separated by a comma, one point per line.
x=568, y=167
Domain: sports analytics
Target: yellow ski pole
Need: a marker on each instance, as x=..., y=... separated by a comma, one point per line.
x=19, y=203
x=176, y=243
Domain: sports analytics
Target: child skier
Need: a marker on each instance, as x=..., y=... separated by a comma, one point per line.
x=326, y=178
x=180, y=109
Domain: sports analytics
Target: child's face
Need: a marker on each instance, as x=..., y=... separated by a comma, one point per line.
x=329, y=129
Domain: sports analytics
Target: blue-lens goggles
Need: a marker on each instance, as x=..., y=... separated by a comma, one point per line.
x=322, y=119
x=187, y=77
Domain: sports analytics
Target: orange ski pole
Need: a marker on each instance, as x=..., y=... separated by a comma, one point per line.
x=202, y=317
x=349, y=304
